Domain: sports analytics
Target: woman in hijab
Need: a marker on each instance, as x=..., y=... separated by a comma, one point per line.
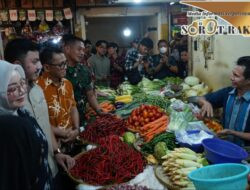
x=12, y=98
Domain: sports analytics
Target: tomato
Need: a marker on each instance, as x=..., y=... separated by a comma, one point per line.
x=153, y=118
x=150, y=114
x=134, y=118
x=136, y=124
x=141, y=119
x=137, y=111
x=145, y=114
x=157, y=115
x=147, y=120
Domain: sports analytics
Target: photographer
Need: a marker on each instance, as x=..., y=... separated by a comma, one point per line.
x=138, y=63
x=163, y=64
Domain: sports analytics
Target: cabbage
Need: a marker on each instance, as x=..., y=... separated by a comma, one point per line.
x=190, y=93
x=129, y=138
x=198, y=87
x=191, y=80
x=185, y=86
x=160, y=150
x=204, y=91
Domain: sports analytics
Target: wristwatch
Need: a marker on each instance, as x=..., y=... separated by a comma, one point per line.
x=57, y=151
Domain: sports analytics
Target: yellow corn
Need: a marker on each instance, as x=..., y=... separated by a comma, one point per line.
x=118, y=98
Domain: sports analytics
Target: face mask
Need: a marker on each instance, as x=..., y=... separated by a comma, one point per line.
x=163, y=50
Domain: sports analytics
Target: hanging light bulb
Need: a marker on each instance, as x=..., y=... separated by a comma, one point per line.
x=137, y=1
x=126, y=32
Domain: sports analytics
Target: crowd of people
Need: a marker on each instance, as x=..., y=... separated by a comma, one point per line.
x=45, y=88
x=44, y=92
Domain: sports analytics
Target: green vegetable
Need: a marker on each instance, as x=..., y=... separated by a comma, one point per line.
x=173, y=80
x=152, y=100
x=128, y=89
x=129, y=138
x=160, y=150
x=179, y=120
x=147, y=85
x=191, y=80
x=101, y=99
x=168, y=138
x=126, y=110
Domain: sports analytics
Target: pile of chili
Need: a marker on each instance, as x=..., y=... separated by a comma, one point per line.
x=113, y=162
x=102, y=127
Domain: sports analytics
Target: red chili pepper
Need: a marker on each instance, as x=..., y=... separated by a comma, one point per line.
x=112, y=162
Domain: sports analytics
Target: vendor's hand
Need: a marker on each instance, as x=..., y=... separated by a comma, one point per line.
x=207, y=109
x=225, y=132
x=65, y=161
x=72, y=134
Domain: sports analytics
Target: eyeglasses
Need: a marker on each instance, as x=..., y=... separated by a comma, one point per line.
x=16, y=87
x=62, y=65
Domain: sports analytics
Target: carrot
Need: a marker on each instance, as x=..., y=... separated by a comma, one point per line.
x=148, y=137
x=162, y=118
x=153, y=127
x=162, y=126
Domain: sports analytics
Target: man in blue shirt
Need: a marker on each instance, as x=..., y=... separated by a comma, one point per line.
x=235, y=101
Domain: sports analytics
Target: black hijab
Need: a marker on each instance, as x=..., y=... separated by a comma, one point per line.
x=19, y=156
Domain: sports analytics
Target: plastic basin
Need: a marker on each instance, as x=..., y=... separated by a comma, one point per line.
x=194, y=147
x=221, y=151
x=220, y=177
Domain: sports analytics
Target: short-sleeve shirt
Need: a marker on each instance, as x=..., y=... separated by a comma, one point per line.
x=80, y=78
x=60, y=100
x=165, y=71
x=236, y=110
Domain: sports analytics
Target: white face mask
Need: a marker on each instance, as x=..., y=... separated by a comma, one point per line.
x=163, y=50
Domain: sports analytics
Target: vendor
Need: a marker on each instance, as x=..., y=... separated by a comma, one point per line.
x=138, y=62
x=163, y=64
x=235, y=101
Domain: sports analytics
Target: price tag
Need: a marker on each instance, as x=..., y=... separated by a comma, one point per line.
x=49, y=15
x=67, y=13
x=32, y=15
x=13, y=15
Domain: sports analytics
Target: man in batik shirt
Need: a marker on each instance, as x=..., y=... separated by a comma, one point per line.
x=59, y=95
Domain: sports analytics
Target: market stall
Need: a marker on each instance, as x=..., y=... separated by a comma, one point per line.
x=154, y=138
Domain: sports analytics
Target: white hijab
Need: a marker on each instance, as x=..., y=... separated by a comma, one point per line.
x=6, y=69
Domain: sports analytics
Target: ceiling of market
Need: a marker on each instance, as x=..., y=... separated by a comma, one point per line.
x=75, y=3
